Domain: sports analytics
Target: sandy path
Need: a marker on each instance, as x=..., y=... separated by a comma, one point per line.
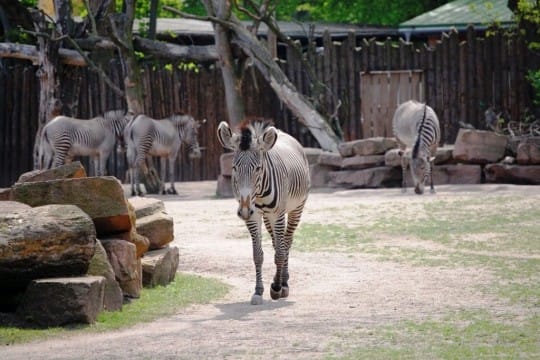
x=331, y=294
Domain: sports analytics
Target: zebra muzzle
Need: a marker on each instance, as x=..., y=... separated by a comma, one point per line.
x=245, y=211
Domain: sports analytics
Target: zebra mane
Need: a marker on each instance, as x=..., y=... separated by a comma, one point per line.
x=416, y=147
x=114, y=115
x=252, y=128
x=181, y=119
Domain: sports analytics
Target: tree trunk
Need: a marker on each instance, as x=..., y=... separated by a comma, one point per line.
x=231, y=82
x=49, y=102
x=284, y=89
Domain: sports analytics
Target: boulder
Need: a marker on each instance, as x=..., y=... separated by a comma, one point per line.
x=159, y=266
x=143, y=206
x=368, y=178
x=5, y=194
x=528, y=151
x=61, y=301
x=8, y=207
x=100, y=266
x=362, y=161
x=513, y=174
x=224, y=187
x=369, y=146
x=127, y=267
x=331, y=159
x=392, y=158
x=158, y=228
x=318, y=175
x=312, y=155
x=479, y=147
x=142, y=244
x=225, y=163
x=69, y=171
x=46, y=241
x=452, y=174
x=100, y=197
x=444, y=154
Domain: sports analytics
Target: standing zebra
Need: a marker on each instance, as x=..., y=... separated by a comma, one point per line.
x=270, y=180
x=65, y=137
x=416, y=128
x=146, y=137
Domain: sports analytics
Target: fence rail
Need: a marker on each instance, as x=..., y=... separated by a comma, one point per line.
x=460, y=77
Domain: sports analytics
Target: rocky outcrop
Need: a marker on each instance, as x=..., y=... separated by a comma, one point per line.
x=53, y=268
x=513, y=174
x=60, y=301
x=46, y=241
x=528, y=152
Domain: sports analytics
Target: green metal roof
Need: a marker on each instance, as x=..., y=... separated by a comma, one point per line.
x=460, y=14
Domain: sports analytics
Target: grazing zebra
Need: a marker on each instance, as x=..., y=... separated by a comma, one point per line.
x=416, y=128
x=65, y=137
x=270, y=180
x=146, y=137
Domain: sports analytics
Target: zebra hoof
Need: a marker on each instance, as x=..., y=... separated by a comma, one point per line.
x=284, y=291
x=256, y=299
x=275, y=294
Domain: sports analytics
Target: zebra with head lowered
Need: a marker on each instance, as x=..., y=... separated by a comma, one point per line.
x=417, y=130
x=146, y=137
x=65, y=137
x=270, y=180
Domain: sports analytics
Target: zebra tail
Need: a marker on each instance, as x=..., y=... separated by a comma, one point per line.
x=420, y=129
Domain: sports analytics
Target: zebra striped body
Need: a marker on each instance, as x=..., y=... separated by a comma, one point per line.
x=270, y=180
x=146, y=137
x=417, y=130
x=64, y=137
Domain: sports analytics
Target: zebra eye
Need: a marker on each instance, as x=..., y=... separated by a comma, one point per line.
x=258, y=168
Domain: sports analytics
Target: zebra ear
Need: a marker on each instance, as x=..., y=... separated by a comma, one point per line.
x=226, y=136
x=268, y=138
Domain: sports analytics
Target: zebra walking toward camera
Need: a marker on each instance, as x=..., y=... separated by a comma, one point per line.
x=146, y=137
x=417, y=130
x=65, y=137
x=270, y=180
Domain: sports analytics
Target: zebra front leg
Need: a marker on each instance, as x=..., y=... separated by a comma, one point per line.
x=172, y=189
x=431, y=168
x=293, y=219
x=254, y=227
x=280, y=248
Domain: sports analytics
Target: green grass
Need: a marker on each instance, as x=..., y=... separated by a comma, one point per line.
x=461, y=335
x=154, y=303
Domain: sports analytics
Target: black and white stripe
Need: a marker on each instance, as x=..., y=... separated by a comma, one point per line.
x=417, y=129
x=65, y=137
x=163, y=138
x=270, y=180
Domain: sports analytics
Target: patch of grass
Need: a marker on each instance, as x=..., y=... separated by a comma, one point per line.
x=462, y=335
x=154, y=303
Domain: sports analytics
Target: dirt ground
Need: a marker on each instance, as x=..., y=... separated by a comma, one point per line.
x=331, y=294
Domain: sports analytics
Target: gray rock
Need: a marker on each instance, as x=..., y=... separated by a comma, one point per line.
x=368, y=178
x=61, y=301
x=369, y=146
x=528, y=152
x=100, y=197
x=513, y=174
x=144, y=206
x=46, y=241
x=127, y=268
x=160, y=266
x=113, y=297
x=479, y=147
x=158, y=228
x=67, y=171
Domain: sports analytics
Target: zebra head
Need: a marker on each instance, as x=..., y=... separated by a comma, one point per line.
x=248, y=165
x=188, y=130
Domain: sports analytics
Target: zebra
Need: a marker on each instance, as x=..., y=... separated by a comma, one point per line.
x=270, y=180
x=146, y=137
x=65, y=137
x=417, y=130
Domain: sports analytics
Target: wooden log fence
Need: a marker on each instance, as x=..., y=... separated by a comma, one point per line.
x=460, y=77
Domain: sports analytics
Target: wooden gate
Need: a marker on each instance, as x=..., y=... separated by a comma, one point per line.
x=381, y=92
